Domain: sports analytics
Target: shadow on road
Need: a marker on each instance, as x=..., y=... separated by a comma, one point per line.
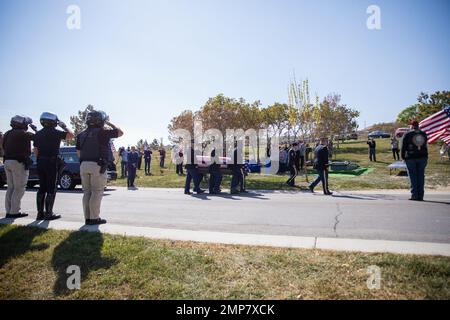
x=250, y=195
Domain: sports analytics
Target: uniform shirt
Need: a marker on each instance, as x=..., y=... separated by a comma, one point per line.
x=133, y=158
x=291, y=157
x=105, y=136
x=124, y=155
x=17, y=144
x=322, y=157
x=414, y=145
x=48, y=141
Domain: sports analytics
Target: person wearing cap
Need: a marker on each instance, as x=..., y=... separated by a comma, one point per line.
x=415, y=153
x=147, y=160
x=46, y=148
x=93, y=145
x=133, y=163
x=17, y=151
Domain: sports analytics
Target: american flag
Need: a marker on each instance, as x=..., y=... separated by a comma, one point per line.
x=446, y=137
x=436, y=125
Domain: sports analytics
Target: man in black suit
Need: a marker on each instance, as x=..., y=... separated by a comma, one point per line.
x=321, y=164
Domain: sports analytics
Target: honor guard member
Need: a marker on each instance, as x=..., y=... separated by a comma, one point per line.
x=192, y=171
x=92, y=148
x=215, y=176
x=236, y=171
x=16, y=159
x=292, y=156
x=46, y=148
x=321, y=164
x=415, y=154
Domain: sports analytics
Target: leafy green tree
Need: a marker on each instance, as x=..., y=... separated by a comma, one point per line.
x=426, y=106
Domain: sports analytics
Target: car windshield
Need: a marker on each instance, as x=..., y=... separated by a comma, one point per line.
x=70, y=157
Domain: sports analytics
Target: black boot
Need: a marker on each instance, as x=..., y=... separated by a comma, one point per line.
x=40, y=201
x=49, y=201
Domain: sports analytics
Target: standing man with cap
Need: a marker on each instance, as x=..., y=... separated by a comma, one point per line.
x=133, y=163
x=415, y=154
x=92, y=148
x=372, y=149
x=46, y=148
x=147, y=160
x=17, y=152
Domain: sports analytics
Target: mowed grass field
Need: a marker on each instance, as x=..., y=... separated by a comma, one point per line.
x=437, y=172
x=33, y=265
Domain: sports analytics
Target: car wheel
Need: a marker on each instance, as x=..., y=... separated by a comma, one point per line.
x=66, y=181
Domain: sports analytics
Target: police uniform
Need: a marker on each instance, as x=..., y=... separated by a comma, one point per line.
x=215, y=176
x=292, y=155
x=192, y=173
x=133, y=162
x=47, y=141
x=93, y=144
x=17, y=152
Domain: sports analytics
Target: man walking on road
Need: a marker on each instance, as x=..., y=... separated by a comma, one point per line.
x=415, y=154
x=292, y=156
x=321, y=163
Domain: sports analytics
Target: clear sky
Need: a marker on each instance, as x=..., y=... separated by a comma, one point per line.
x=143, y=62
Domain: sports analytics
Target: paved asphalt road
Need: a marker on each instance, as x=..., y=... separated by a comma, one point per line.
x=387, y=215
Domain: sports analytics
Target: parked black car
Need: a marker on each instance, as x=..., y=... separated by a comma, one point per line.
x=69, y=175
x=379, y=134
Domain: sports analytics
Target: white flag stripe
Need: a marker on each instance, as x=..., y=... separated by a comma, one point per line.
x=437, y=126
x=433, y=116
x=436, y=121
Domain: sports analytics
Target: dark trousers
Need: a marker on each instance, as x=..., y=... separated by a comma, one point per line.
x=47, y=169
x=161, y=162
x=302, y=162
x=215, y=180
x=131, y=175
x=147, y=163
x=48, y=172
x=139, y=163
x=193, y=175
x=323, y=177
x=396, y=154
x=237, y=179
x=293, y=172
x=372, y=154
x=179, y=168
x=416, y=173
x=123, y=168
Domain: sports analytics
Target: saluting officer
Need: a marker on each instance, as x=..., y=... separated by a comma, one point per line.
x=292, y=156
x=92, y=148
x=17, y=152
x=46, y=148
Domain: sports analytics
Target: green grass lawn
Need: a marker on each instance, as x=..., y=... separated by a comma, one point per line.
x=437, y=174
x=33, y=265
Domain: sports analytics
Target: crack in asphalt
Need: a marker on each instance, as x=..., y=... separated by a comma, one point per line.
x=336, y=219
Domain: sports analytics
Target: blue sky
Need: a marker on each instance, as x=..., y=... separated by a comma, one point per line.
x=143, y=62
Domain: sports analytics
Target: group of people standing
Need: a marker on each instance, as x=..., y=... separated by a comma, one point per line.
x=93, y=149
x=215, y=174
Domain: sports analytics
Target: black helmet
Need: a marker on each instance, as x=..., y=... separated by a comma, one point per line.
x=49, y=119
x=20, y=122
x=96, y=119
